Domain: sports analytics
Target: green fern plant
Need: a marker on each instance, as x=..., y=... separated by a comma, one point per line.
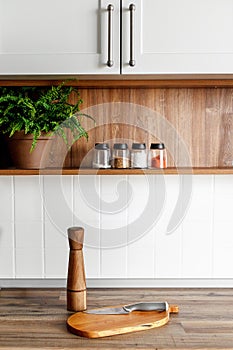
x=37, y=110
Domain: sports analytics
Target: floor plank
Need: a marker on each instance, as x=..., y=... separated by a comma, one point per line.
x=36, y=319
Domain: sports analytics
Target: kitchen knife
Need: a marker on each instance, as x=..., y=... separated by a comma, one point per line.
x=126, y=309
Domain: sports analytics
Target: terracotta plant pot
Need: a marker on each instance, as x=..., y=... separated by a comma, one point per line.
x=19, y=146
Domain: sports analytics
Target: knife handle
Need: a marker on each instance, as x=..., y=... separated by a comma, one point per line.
x=149, y=306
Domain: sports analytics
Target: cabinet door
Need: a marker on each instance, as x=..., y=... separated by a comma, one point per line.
x=179, y=36
x=57, y=37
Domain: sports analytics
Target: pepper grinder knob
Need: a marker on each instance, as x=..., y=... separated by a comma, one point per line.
x=76, y=281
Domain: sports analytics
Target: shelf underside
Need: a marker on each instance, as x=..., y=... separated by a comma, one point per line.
x=72, y=171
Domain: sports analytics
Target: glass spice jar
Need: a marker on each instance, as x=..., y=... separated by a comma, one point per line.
x=157, y=156
x=101, y=158
x=138, y=155
x=120, y=156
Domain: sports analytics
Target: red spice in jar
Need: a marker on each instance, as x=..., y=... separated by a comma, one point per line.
x=156, y=162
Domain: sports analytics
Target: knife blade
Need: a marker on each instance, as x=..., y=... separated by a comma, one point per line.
x=126, y=309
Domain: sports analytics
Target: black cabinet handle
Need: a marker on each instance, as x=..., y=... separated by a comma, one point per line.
x=110, y=9
x=132, y=9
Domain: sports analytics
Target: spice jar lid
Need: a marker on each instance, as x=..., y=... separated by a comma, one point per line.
x=120, y=146
x=157, y=146
x=101, y=146
x=138, y=146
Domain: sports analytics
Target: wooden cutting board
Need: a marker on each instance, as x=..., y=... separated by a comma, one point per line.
x=96, y=326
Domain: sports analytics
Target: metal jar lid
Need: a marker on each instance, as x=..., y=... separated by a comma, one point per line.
x=139, y=146
x=157, y=146
x=120, y=146
x=102, y=146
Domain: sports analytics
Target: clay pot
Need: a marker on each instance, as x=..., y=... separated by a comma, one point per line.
x=19, y=146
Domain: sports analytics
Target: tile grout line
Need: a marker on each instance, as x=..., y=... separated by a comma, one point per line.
x=14, y=226
x=100, y=229
x=42, y=192
x=212, y=225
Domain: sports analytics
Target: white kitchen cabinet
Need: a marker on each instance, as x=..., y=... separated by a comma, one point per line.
x=179, y=36
x=57, y=37
x=79, y=37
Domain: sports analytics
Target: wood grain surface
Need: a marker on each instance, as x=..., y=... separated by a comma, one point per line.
x=195, y=117
x=97, y=326
x=36, y=319
x=88, y=171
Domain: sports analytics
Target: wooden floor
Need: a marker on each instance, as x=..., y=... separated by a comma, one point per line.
x=36, y=319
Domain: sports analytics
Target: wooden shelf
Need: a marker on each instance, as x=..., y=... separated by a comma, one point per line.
x=126, y=81
x=168, y=171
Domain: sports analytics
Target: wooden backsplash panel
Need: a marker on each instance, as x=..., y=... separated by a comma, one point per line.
x=195, y=114
x=198, y=118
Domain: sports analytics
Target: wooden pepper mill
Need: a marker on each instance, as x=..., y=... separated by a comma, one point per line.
x=76, y=281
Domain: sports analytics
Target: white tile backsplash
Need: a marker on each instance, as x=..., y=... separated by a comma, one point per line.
x=28, y=198
x=7, y=263
x=141, y=256
x=29, y=262
x=197, y=249
x=6, y=198
x=114, y=263
x=168, y=252
x=223, y=249
x=223, y=185
x=58, y=199
x=125, y=220
x=7, y=234
x=55, y=235
x=56, y=262
x=29, y=234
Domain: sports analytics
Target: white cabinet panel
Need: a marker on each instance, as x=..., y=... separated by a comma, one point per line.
x=181, y=36
x=72, y=37
x=57, y=37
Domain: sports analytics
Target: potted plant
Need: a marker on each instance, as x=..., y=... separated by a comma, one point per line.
x=32, y=115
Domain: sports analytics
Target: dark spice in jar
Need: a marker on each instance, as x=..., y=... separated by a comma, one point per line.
x=121, y=163
x=120, y=156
